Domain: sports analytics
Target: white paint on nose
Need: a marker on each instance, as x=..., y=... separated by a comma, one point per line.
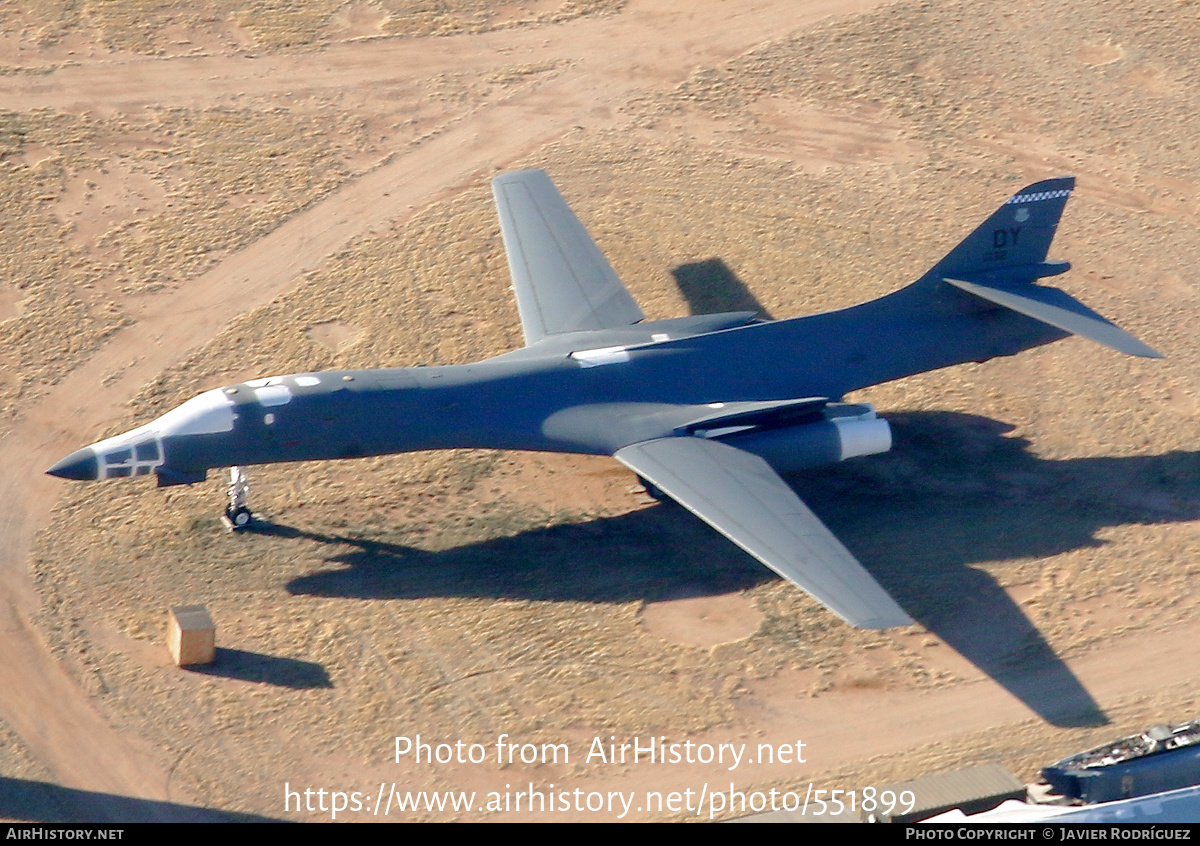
x=207, y=414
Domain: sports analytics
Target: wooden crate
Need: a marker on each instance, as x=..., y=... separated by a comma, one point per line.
x=191, y=635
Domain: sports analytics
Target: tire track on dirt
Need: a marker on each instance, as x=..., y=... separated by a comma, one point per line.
x=649, y=43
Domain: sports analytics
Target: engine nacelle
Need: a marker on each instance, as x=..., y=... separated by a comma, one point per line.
x=845, y=432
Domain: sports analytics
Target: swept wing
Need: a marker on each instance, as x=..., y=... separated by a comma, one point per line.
x=562, y=281
x=739, y=495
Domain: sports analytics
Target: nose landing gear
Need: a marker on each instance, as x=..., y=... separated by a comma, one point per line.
x=237, y=513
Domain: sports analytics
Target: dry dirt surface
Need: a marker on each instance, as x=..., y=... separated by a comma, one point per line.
x=194, y=198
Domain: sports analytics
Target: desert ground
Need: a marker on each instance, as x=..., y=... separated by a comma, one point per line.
x=196, y=195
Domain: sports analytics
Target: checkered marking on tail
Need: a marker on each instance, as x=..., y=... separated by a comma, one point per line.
x=1038, y=197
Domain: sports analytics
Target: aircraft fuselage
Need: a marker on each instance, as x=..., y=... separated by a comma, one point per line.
x=556, y=396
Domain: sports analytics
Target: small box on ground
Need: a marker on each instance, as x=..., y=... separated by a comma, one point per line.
x=191, y=635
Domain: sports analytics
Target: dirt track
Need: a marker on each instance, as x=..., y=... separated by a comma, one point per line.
x=589, y=96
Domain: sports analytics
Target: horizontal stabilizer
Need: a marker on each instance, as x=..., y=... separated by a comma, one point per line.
x=1061, y=310
x=739, y=495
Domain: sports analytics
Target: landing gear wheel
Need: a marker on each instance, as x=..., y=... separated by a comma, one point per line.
x=239, y=518
x=237, y=513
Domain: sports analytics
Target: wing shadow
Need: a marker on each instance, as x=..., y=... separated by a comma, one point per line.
x=38, y=801
x=710, y=287
x=955, y=491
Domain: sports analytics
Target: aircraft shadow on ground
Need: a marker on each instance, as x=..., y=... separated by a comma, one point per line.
x=38, y=801
x=954, y=491
x=710, y=287
x=648, y=554
x=264, y=669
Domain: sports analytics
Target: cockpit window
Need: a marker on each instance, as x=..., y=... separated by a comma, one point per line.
x=133, y=460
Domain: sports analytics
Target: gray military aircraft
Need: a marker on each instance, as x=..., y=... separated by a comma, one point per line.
x=706, y=410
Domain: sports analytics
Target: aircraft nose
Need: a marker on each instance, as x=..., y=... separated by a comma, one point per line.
x=80, y=464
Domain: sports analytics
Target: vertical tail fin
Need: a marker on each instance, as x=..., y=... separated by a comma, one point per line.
x=1016, y=238
x=1001, y=259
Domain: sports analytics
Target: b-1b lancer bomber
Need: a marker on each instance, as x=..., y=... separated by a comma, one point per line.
x=707, y=410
